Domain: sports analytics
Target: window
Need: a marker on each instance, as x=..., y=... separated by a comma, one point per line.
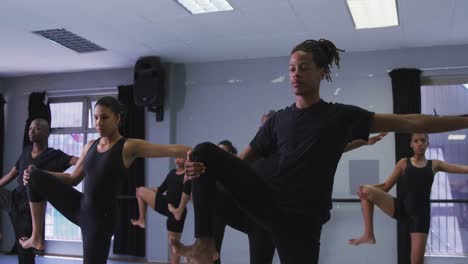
x=71, y=127
x=449, y=208
x=448, y=219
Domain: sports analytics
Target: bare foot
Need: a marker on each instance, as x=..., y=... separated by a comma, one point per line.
x=177, y=214
x=138, y=222
x=32, y=242
x=362, y=240
x=202, y=252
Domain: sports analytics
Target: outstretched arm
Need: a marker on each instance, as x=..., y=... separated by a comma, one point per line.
x=136, y=148
x=359, y=142
x=449, y=167
x=417, y=123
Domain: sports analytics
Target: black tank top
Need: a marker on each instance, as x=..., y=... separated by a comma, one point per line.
x=105, y=173
x=417, y=184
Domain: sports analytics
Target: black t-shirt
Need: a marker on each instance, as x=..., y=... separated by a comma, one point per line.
x=49, y=160
x=174, y=185
x=309, y=144
x=267, y=168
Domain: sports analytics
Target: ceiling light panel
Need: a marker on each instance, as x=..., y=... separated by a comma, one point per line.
x=205, y=6
x=373, y=13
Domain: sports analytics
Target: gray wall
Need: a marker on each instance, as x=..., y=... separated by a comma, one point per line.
x=214, y=101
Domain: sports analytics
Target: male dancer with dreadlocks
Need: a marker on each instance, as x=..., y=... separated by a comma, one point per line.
x=309, y=137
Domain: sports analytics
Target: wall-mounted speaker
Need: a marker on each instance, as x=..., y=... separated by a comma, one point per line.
x=149, y=77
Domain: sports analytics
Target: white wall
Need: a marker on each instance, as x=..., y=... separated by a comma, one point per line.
x=224, y=100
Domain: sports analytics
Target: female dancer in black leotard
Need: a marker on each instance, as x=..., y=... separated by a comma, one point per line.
x=414, y=206
x=104, y=162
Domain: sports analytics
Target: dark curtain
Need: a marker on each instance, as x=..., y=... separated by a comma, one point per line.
x=2, y=130
x=128, y=239
x=406, y=86
x=38, y=106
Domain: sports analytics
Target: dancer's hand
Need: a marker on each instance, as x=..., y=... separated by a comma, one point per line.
x=375, y=139
x=26, y=174
x=193, y=170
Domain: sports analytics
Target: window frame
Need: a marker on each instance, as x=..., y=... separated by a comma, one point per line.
x=84, y=129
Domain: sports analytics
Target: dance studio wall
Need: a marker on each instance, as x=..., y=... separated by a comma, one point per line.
x=218, y=100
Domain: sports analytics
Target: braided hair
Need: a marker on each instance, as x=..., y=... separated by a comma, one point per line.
x=324, y=51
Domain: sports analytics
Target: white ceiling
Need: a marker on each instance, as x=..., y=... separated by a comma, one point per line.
x=129, y=29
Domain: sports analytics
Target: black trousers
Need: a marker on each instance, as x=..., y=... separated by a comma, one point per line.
x=296, y=235
x=97, y=225
x=16, y=204
x=228, y=213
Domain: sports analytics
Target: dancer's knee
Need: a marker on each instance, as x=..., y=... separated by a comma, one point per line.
x=139, y=192
x=204, y=149
x=369, y=190
x=36, y=185
x=34, y=177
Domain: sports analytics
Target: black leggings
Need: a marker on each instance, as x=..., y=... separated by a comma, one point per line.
x=261, y=247
x=418, y=219
x=17, y=205
x=296, y=235
x=97, y=225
